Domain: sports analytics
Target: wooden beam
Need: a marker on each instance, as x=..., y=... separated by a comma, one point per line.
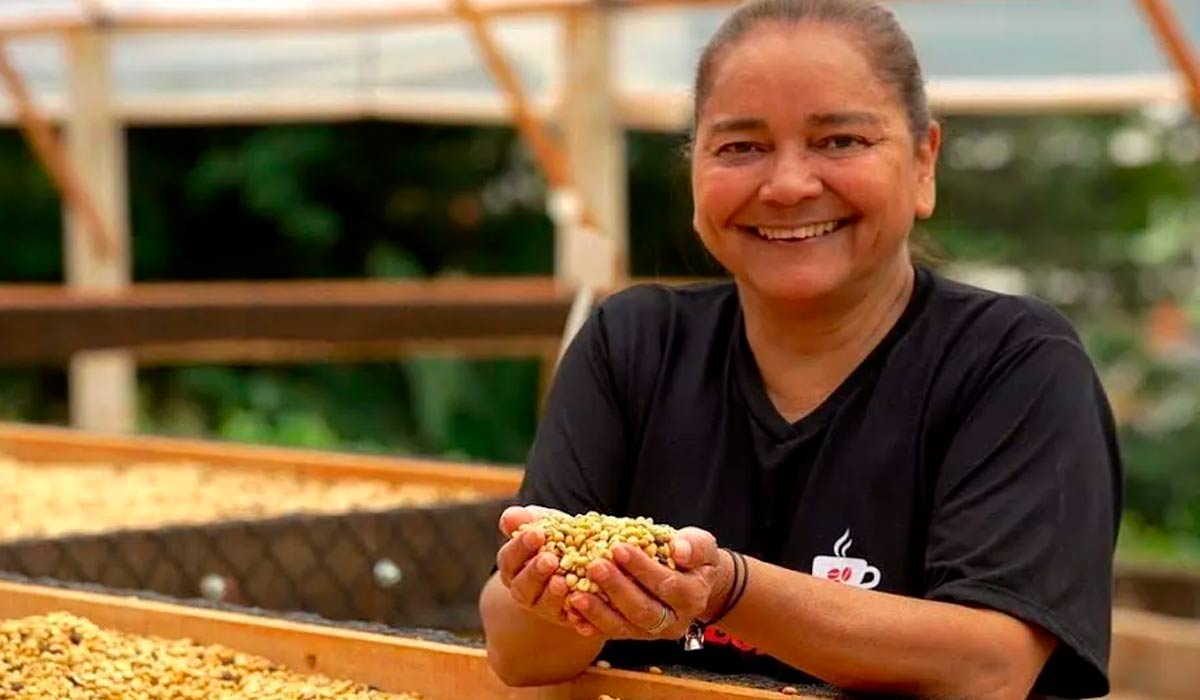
x=594, y=255
x=292, y=321
x=294, y=352
x=322, y=16
x=103, y=386
x=389, y=662
x=562, y=180
x=1174, y=43
x=545, y=149
x=53, y=158
x=47, y=324
x=36, y=444
x=665, y=111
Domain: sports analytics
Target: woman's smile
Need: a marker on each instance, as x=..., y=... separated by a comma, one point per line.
x=798, y=233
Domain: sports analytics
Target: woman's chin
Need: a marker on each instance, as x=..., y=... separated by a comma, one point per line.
x=792, y=283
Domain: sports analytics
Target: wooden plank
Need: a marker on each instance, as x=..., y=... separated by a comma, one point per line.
x=389, y=663
x=50, y=154
x=1159, y=587
x=47, y=325
x=48, y=444
x=103, y=385
x=661, y=111
x=1155, y=655
x=439, y=671
x=546, y=151
x=316, y=16
x=1172, y=39
x=294, y=321
x=274, y=352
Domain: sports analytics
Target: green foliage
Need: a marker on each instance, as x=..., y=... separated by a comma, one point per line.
x=454, y=408
x=30, y=218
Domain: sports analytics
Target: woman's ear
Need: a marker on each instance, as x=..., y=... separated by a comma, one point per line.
x=926, y=171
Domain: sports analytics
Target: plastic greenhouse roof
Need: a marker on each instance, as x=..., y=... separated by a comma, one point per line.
x=654, y=48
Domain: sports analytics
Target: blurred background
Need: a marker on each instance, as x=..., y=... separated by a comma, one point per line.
x=287, y=140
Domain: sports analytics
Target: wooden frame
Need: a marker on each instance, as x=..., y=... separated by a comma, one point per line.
x=438, y=671
x=1152, y=654
x=1155, y=656
x=45, y=444
x=49, y=324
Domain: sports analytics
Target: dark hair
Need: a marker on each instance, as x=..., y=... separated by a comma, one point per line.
x=888, y=48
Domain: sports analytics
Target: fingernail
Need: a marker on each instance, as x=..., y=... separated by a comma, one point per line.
x=580, y=603
x=544, y=565
x=598, y=572
x=683, y=551
x=621, y=554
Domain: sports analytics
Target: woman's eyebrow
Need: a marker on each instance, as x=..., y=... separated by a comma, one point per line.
x=725, y=126
x=845, y=119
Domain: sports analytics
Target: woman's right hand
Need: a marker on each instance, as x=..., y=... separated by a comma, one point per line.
x=528, y=574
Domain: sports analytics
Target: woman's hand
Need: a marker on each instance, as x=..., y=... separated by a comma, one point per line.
x=647, y=600
x=528, y=575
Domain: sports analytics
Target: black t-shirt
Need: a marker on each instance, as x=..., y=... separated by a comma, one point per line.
x=971, y=458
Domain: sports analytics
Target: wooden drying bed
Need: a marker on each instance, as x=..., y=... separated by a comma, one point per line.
x=319, y=562
x=288, y=321
x=397, y=664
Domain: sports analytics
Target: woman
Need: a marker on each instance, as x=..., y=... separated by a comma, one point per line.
x=920, y=478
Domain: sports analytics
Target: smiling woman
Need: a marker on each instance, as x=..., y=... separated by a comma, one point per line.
x=884, y=480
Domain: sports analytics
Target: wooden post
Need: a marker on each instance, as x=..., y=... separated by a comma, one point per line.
x=103, y=384
x=596, y=256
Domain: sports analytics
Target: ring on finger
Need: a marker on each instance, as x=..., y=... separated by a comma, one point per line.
x=662, y=623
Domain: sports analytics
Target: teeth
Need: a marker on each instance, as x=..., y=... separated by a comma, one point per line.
x=809, y=231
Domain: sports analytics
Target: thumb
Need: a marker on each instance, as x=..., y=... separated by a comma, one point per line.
x=514, y=517
x=693, y=548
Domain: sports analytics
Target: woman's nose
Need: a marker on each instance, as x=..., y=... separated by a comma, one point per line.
x=791, y=180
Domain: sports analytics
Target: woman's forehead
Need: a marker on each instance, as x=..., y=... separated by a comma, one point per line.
x=812, y=72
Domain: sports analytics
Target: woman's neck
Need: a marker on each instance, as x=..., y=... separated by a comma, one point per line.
x=805, y=351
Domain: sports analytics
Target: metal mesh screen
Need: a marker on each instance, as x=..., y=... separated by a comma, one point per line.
x=408, y=567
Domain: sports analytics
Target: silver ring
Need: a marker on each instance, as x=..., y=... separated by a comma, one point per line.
x=662, y=624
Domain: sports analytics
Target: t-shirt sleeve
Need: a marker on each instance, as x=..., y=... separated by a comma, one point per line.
x=579, y=453
x=1026, y=504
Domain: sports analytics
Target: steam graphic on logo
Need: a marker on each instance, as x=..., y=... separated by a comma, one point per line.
x=843, y=544
x=844, y=569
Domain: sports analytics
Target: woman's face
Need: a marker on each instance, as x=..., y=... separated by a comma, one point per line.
x=805, y=176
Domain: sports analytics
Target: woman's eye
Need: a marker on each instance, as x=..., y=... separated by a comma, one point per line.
x=737, y=148
x=842, y=142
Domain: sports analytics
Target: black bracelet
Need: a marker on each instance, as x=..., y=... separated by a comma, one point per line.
x=740, y=577
x=693, y=639
x=737, y=597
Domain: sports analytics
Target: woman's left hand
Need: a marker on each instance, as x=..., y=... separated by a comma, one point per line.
x=647, y=600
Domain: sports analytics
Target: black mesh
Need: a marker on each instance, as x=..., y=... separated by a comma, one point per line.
x=407, y=567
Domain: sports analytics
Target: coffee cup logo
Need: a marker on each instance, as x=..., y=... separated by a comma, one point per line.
x=843, y=569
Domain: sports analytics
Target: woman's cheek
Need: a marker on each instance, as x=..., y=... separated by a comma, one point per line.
x=720, y=195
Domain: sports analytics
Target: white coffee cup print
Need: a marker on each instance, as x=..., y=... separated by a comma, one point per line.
x=843, y=569
x=849, y=570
